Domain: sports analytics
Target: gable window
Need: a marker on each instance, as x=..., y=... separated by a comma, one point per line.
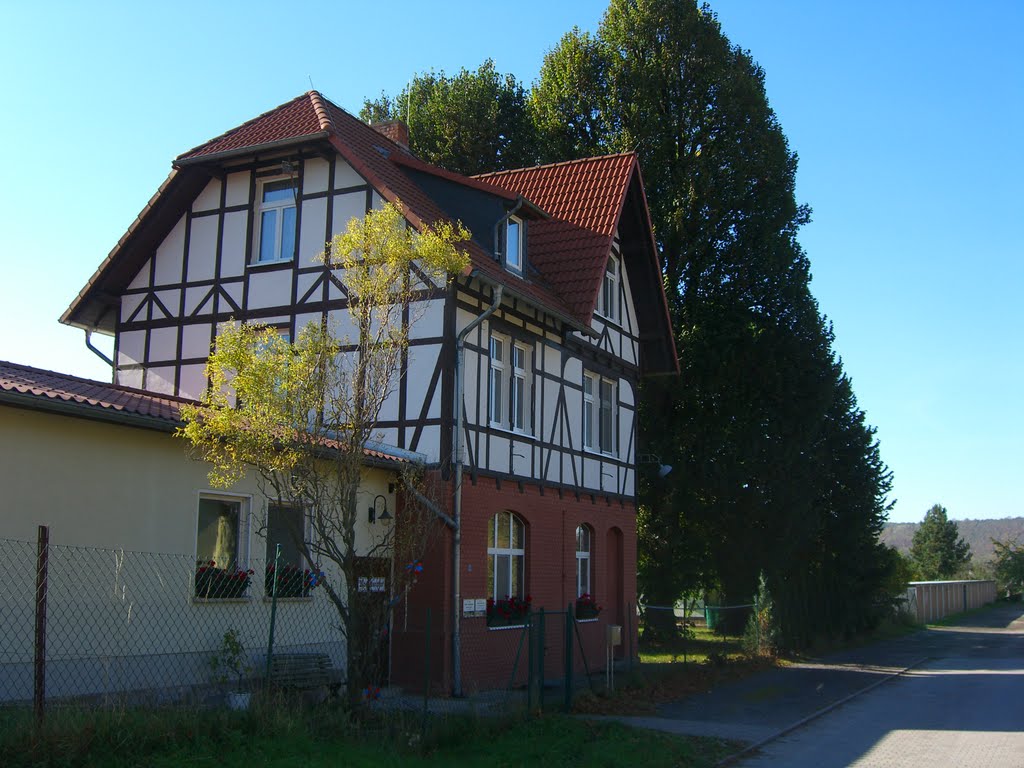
x=275, y=238
x=514, y=244
x=506, y=556
x=583, y=560
x=509, y=393
x=599, y=414
x=221, y=547
x=608, y=300
x=496, y=410
x=286, y=525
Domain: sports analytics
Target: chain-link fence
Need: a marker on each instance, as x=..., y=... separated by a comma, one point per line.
x=104, y=625
x=112, y=626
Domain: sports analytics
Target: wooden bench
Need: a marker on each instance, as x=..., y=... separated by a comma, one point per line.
x=304, y=670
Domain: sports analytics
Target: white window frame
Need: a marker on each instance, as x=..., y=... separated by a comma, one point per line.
x=514, y=261
x=608, y=299
x=510, y=385
x=519, y=389
x=500, y=592
x=496, y=389
x=589, y=380
x=280, y=206
x=244, y=502
x=596, y=436
x=583, y=561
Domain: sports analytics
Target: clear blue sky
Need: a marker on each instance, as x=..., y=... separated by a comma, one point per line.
x=907, y=118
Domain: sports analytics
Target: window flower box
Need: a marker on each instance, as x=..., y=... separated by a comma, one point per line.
x=292, y=581
x=213, y=583
x=586, y=607
x=510, y=612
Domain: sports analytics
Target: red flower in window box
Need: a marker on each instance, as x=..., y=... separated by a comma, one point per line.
x=587, y=607
x=292, y=581
x=213, y=583
x=512, y=611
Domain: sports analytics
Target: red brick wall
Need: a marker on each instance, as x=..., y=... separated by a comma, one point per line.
x=488, y=654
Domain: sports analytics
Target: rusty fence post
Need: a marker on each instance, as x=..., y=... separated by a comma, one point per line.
x=42, y=568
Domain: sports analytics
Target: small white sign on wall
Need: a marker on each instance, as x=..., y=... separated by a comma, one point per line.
x=474, y=607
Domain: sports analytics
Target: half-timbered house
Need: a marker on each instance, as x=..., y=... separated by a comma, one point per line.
x=520, y=382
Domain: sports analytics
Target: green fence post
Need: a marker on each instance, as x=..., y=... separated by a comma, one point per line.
x=570, y=625
x=540, y=659
x=426, y=681
x=273, y=611
x=629, y=635
x=531, y=662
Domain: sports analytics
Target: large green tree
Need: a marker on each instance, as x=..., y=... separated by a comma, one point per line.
x=937, y=550
x=472, y=122
x=775, y=467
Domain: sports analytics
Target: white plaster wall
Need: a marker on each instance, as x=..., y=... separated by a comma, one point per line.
x=311, y=236
x=315, y=175
x=163, y=344
x=238, y=189
x=346, y=207
x=270, y=289
x=232, y=257
x=195, y=340
x=345, y=176
x=131, y=346
x=202, y=249
x=169, y=255
x=209, y=198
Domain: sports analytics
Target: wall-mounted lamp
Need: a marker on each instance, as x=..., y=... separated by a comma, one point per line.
x=381, y=513
x=653, y=458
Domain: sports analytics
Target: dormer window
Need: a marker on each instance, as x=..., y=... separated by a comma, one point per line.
x=608, y=300
x=514, y=245
x=275, y=238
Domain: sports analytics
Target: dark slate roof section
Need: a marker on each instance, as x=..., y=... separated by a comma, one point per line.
x=42, y=390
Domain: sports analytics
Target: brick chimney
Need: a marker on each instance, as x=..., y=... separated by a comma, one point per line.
x=396, y=130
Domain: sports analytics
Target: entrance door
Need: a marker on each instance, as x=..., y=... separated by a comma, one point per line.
x=373, y=613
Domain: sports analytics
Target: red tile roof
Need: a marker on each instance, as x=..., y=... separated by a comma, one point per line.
x=87, y=393
x=585, y=200
x=301, y=117
x=39, y=388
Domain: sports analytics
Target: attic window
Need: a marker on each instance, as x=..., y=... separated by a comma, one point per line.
x=275, y=238
x=514, y=245
x=608, y=300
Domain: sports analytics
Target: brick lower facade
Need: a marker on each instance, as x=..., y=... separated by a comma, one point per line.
x=489, y=654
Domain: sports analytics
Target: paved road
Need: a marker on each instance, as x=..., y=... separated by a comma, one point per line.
x=964, y=706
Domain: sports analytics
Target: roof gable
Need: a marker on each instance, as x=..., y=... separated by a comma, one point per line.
x=584, y=199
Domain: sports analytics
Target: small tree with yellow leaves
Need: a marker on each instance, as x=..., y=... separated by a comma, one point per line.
x=300, y=415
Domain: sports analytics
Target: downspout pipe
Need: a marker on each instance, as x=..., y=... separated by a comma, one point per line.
x=96, y=351
x=460, y=340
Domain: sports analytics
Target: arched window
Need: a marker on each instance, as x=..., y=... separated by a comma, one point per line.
x=506, y=556
x=583, y=560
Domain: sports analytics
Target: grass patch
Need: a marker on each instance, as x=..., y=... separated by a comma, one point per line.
x=664, y=676
x=297, y=737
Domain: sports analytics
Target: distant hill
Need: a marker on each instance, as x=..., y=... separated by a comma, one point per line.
x=977, y=533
